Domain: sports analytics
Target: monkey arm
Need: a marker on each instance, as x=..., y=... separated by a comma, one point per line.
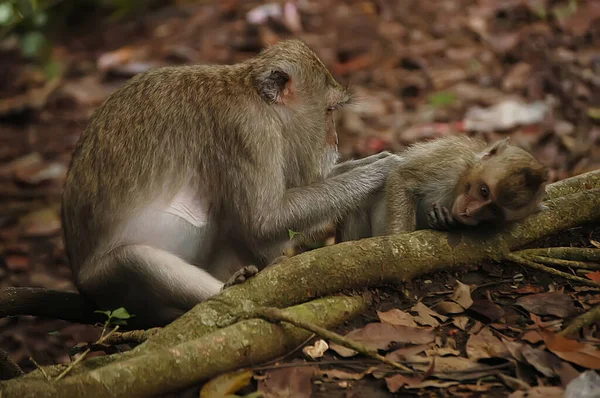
x=301, y=208
x=348, y=165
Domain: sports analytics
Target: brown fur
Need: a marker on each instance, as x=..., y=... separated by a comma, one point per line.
x=241, y=152
x=448, y=173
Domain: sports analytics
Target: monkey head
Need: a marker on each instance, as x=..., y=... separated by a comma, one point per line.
x=506, y=184
x=293, y=81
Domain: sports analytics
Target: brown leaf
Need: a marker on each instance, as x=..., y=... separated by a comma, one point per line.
x=449, y=307
x=225, y=384
x=488, y=309
x=543, y=361
x=426, y=315
x=341, y=375
x=552, y=303
x=595, y=276
x=462, y=295
x=44, y=222
x=460, y=322
x=539, y=392
x=485, y=345
x=396, y=382
x=532, y=336
x=397, y=317
x=382, y=335
x=582, y=354
x=288, y=382
x=17, y=262
x=30, y=160
x=37, y=174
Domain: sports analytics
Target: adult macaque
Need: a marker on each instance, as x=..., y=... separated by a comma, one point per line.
x=186, y=174
x=451, y=182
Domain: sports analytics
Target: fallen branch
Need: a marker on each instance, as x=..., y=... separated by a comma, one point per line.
x=197, y=349
x=276, y=315
x=176, y=366
x=586, y=319
x=47, y=303
x=368, y=262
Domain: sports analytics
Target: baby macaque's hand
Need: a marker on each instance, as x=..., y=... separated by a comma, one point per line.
x=440, y=218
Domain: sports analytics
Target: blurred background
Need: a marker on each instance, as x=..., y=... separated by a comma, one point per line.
x=528, y=69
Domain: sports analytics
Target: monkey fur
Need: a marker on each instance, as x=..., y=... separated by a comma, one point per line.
x=186, y=174
x=452, y=182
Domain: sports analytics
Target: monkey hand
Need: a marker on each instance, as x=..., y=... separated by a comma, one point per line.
x=440, y=218
x=241, y=276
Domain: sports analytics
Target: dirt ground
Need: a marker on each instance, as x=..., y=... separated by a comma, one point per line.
x=529, y=70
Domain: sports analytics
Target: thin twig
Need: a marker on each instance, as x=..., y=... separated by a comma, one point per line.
x=276, y=315
x=565, y=253
x=586, y=319
x=40, y=368
x=84, y=354
x=563, y=263
x=132, y=336
x=515, y=258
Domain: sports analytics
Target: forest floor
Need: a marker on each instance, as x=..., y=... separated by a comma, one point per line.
x=529, y=70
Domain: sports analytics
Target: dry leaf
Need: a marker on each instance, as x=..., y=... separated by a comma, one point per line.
x=290, y=382
x=462, y=295
x=449, y=307
x=553, y=303
x=485, y=345
x=539, y=392
x=226, y=384
x=488, y=309
x=382, y=335
x=341, y=375
x=45, y=222
x=426, y=315
x=582, y=354
x=397, y=317
x=595, y=276
x=461, y=322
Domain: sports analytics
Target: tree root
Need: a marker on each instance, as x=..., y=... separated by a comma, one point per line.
x=176, y=366
x=207, y=341
x=276, y=315
x=583, y=320
x=522, y=260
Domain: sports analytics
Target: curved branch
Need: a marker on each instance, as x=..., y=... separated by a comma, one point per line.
x=47, y=303
x=374, y=261
x=177, y=366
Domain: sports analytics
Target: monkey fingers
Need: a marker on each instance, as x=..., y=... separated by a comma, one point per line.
x=241, y=276
x=440, y=218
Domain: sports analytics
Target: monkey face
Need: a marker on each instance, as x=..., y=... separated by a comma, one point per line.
x=476, y=205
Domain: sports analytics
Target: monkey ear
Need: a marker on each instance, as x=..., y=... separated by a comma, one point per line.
x=496, y=148
x=275, y=87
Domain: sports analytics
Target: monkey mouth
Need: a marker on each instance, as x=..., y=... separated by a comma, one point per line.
x=466, y=219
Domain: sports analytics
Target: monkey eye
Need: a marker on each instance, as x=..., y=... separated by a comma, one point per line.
x=332, y=108
x=485, y=191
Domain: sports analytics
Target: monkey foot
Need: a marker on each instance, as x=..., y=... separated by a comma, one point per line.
x=241, y=276
x=440, y=218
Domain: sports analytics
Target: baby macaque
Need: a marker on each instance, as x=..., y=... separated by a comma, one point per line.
x=186, y=174
x=452, y=182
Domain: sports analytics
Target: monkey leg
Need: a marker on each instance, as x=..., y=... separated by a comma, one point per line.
x=152, y=284
x=440, y=218
x=401, y=205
